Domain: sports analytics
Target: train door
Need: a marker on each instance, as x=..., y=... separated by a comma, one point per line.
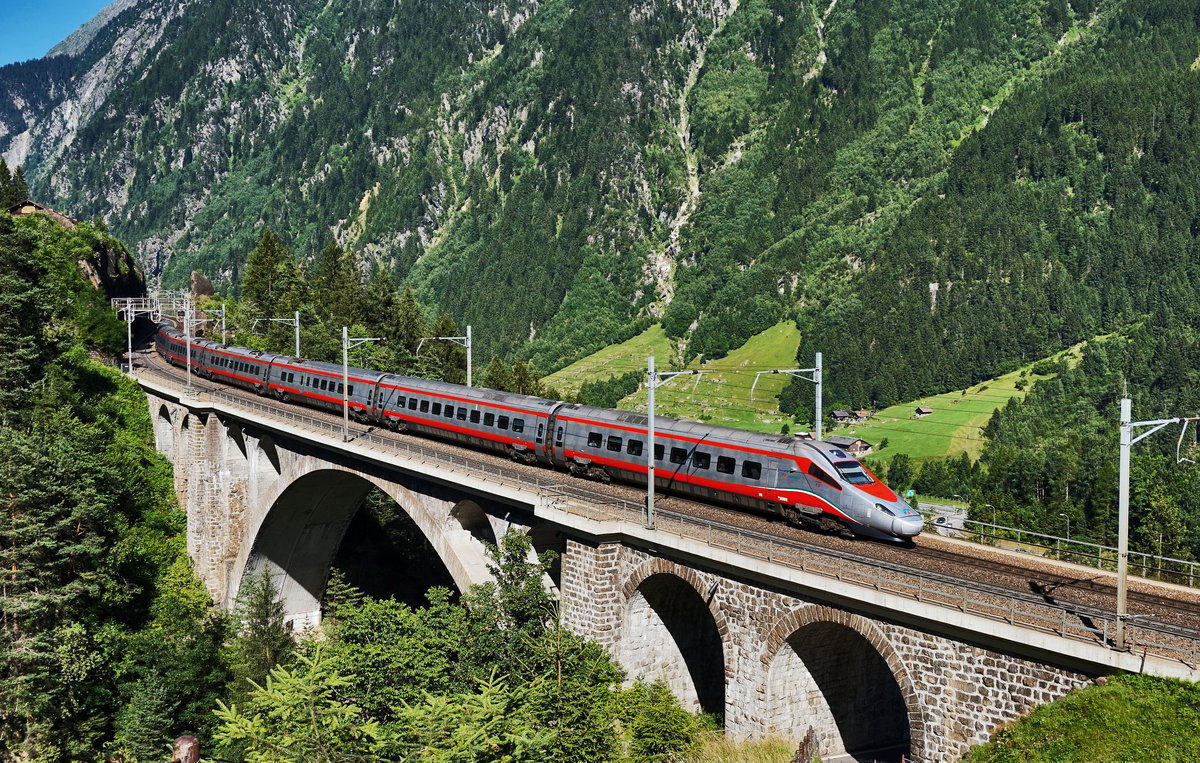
x=549, y=431
x=555, y=434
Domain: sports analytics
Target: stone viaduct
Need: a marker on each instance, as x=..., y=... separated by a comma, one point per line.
x=777, y=649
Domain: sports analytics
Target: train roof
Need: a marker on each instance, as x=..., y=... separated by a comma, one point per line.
x=477, y=393
x=684, y=427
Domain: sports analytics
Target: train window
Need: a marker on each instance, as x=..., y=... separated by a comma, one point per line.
x=401, y=402
x=489, y=419
x=751, y=470
x=701, y=459
x=658, y=452
x=462, y=414
x=678, y=455
x=437, y=409
x=474, y=417
x=351, y=390
x=449, y=411
x=853, y=472
x=595, y=439
x=503, y=422
x=424, y=406
x=634, y=447
x=541, y=429
x=412, y=404
x=819, y=473
x=342, y=388
x=615, y=443
x=518, y=425
x=324, y=385
x=725, y=464
x=559, y=436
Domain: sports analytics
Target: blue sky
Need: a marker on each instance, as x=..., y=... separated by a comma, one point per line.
x=29, y=28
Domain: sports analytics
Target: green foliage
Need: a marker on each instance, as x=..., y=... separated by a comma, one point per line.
x=493, y=677
x=495, y=723
x=609, y=392
x=13, y=187
x=299, y=716
x=1128, y=718
x=101, y=609
x=660, y=730
x=260, y=640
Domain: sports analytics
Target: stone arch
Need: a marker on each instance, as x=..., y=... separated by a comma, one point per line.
x=301, y=525
x=549, y=537
x=671, y=629
x=836, y=673
x=267, y=450
x=472, y=518
x=164, y=432
x=237, y=435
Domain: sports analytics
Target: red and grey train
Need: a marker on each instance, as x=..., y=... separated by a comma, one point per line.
x=807, y=483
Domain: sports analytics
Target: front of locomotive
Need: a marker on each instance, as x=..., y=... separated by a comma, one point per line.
x=874, y=507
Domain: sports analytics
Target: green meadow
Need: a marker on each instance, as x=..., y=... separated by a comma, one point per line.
x=721, y=394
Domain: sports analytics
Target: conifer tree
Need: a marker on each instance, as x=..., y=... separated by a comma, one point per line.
x=5, y=184
x=497, y=376
x=449, y=358
x=260, y=276
x=20, y=189
x=410, y=322
x=262, y=642
x=50, y=551
x=22, y=317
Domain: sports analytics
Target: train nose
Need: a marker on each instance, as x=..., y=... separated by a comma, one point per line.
x=907, y=527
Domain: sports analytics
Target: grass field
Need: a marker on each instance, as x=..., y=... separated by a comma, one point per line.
x=956, y=424
x=722, y=394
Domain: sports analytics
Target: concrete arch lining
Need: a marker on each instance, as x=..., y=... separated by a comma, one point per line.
x=836, y=673
x=671, y=630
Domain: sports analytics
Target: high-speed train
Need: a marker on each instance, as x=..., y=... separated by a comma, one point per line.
x=807, y=483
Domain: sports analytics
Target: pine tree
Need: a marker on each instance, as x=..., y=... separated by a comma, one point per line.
x=497, y=376
x=145, y=722
x=449, y=358
x=19, y=190
x=22, y=318
x=260, y=277
x=410, y=322
x=262, y=641
x=5, y=185
x=50, y=550
x=339, y=294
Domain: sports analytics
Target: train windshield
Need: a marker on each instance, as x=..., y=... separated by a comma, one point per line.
x=853, y=472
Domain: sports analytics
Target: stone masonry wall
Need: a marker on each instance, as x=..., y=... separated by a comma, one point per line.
x=953, y=694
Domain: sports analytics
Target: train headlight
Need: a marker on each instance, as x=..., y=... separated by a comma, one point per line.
x=885, y=509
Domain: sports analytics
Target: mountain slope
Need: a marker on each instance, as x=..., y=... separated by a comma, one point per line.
x=561, y=174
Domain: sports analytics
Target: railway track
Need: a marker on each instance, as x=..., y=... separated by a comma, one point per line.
x=1035, y=582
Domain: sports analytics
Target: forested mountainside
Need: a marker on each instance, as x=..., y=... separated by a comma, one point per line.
x=932, y=189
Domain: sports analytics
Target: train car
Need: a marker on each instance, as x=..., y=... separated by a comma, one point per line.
x=807, y=483
x=237, y=366
x=321, y=385
x=483, y=418
x=804, y=482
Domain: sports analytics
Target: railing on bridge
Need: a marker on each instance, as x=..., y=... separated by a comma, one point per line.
x=1165, y=568
x=1078, y=623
